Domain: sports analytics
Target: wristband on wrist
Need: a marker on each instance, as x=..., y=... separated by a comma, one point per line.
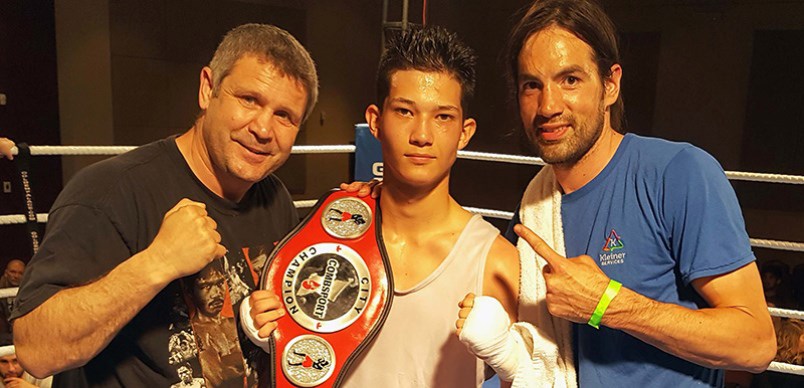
x=611, y=292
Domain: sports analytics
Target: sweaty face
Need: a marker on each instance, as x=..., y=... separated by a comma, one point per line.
x=250, y=125
x=420, y=127
x=209, y=292
x=561, y=95
x=9, y=367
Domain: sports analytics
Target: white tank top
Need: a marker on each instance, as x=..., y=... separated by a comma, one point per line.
x=417, y=345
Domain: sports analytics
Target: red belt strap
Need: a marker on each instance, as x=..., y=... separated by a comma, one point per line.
x=335, y=280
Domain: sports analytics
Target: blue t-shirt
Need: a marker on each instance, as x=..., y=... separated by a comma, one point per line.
x=660, y=215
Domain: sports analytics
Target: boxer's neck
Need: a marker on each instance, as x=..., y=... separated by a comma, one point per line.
x=417, y=212
x=420, y=228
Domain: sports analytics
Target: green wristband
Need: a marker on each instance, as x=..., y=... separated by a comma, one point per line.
x=611, y=292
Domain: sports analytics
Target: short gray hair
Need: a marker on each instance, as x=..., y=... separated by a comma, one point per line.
x=274, y=44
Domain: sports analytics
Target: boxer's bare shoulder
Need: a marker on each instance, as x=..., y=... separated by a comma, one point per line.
x=501, y=277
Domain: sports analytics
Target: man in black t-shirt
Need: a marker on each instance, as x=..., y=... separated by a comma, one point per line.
x=108, y=299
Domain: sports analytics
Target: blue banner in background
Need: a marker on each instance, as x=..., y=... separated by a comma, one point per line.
x=368, y=155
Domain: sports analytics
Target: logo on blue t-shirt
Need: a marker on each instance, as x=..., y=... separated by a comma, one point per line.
x=613, y=244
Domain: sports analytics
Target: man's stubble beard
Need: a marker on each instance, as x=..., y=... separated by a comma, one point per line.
x=570, y=151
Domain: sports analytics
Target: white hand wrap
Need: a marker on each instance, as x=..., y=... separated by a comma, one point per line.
x=248, y=326
x=488, y=335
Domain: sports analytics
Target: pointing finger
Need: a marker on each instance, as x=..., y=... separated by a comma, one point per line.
x=554, y=260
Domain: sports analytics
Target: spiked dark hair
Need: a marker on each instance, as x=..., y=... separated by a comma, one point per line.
x=584, y=18
x=431, y=49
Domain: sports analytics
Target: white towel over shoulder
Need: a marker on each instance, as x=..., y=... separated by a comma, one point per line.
x=548, y=338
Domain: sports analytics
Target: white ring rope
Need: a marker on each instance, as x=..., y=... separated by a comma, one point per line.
x=733, y=175
x=785, y=313
x=780, y=245
x=491, y=213
x=6, y=350
x=304, y=204
x=786, y=368
x=116, y=150
x=11, y=219
x=764, y=177
x=321, y=149
x=8, y=292
x=77, y=150
x=507, y=158
x=774, y=366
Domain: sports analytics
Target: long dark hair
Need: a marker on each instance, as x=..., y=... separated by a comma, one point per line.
x=584, y=18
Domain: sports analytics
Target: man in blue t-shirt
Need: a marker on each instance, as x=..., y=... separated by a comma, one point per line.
x=658, y=217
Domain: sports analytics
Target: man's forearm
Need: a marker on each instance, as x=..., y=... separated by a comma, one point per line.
x=75, y=324
x=723, y=337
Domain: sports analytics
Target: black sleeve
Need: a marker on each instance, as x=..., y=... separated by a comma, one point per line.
x=81, y=245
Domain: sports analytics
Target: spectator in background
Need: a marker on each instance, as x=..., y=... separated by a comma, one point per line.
x=776, y=284
x=11, y=278
x=13, y=274
x=15, y=377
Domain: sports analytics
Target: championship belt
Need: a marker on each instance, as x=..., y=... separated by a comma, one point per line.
x=334, y=278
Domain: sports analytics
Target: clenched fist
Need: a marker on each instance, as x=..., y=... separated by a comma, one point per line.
x=187, y=240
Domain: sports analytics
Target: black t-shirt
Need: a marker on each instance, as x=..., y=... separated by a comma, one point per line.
x=113, y=210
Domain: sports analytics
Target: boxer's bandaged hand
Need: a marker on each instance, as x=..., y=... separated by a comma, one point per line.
x=247, y=323
x=487, y=334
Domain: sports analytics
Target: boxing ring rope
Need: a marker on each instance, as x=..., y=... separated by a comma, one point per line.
x=345, y=149
x=10, y=219
x=462, y=154
x=8, y=292
x=785, y=313
x=781, y=367
x=308, y=203
x=116, y=150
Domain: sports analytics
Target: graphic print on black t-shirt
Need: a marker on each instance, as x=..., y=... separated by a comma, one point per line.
x=182, y=348
x=213, y=337
x=255, y=259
